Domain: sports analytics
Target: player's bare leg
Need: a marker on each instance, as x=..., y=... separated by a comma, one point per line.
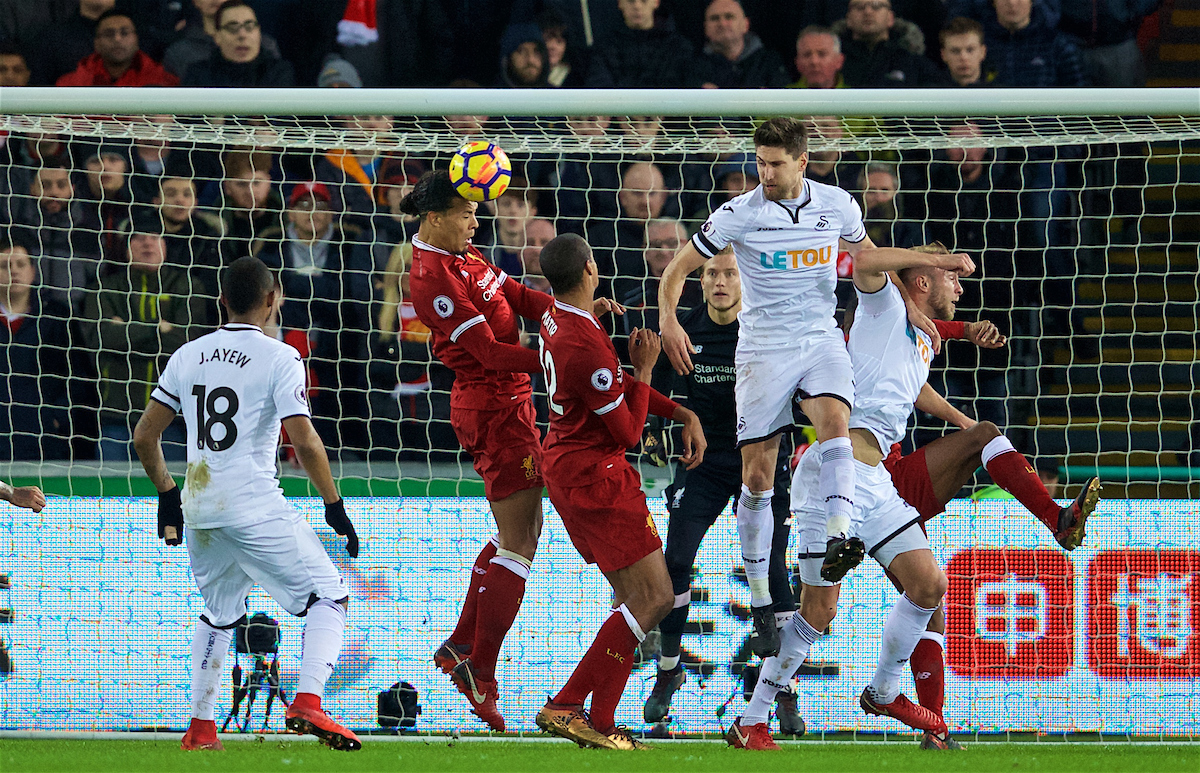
x=324, y=628
x=953, y=459
x=925, y=586
x=830, y=419
x=493, y=600
x=756, y=527
x=818, y=606
x=643, y=597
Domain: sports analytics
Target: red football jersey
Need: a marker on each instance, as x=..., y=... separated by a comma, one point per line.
x=584, y=381
x=453, y=294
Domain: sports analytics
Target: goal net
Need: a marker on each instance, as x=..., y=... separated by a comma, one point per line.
x=1083, y=219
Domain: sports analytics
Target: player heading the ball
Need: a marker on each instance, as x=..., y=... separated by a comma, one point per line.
x=240, y=530
x=471, y=309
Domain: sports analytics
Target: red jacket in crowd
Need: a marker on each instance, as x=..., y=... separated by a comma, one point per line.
x=143, y=72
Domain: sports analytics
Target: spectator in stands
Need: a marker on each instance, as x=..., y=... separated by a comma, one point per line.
x=964, y=52
x=106, y=198
x=663, y=238
x=512, y=211
x=538, y=233
x=14, y=68
x=252, y=210
x=197, y=42
x=819, y=59
x=524, y=62
x=466, y=125
x=50, y=223
x=643, y=197
x=873, y=59
x=391, y=227
x=972, y=199
x=135, y=317
x=642, y=54
x=882, y=216
x=733, y=56
x=1024, y=43
x=350, y=174
x=151, y=157
x=337, y=73
x=1107, y=31
x=34, y=378
x=193, y=239
x=830, y=165
x=117, y=60
x=240, y=60
x=410, y=388
x=62, y=44
x=562, y=69
x=326, y=276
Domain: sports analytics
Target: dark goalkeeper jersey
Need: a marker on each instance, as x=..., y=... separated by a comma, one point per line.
x=709, y=387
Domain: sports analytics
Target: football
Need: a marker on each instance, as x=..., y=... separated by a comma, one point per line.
x=480, y=171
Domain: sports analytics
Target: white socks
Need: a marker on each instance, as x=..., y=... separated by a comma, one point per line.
x=209, y=647
x=835, y=485
x=321, y=645
x=903, y=629
x=794, y=642
x=995, y=447
x=756, y=527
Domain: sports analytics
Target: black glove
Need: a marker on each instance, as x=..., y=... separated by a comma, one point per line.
x=335, y=516
x=654, y=451
x=170, y=513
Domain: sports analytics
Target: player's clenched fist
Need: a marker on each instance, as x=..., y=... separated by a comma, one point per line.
x=694, y=442
x=960, y=263
x=644, y=348
x=335, y=516
x=170, y=515
x=985, y=335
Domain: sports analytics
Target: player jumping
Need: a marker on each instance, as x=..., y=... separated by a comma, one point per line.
x=786, y=235
x=891, y=365
x=471, y=308
x=235, y=386
x=596, y=413
x=697, y=497
x=28, y=497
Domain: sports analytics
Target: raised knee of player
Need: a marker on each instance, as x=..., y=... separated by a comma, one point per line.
x=928, y=588
x=981, y=434
x=818, y=607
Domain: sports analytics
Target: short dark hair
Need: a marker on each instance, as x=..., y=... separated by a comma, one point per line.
x=245, y=284
x=563, y=259
x=791, y=134
x=229, y=5
x=960, y=25
x=111, y=12
x=432, y=193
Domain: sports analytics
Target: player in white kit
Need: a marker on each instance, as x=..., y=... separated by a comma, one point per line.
x=235, y=387
x=891, y=366
x=786, y=235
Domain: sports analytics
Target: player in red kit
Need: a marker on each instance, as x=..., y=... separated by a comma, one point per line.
x=597, y=412
x=471, y=309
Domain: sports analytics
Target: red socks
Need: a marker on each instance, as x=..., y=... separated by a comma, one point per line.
x=500, y=596
x=604, y=671
x=929, y=673
x=464, y=632
x=1013, y=473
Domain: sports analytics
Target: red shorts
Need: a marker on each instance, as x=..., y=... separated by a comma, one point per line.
x=608, y=520
x=910, y=474
x=505, y=446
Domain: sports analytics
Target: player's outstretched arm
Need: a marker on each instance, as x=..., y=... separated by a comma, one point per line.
x=985, y=334
x=310, y=450
x=146, y=441
x=28, y=497
x=675, y=341
x=934, y=404
x=871, y=265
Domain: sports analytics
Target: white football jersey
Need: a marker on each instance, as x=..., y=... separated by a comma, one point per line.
x=234, y=386
x=891, y=363
x=787, y=254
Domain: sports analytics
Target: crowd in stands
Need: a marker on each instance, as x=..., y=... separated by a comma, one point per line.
x=110, y=254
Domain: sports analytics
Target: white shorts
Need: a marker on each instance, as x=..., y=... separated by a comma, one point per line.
x=768, y=381
x=886, y=524
x=281, y=553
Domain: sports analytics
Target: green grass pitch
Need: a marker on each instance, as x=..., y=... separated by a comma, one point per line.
x=18, y=756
